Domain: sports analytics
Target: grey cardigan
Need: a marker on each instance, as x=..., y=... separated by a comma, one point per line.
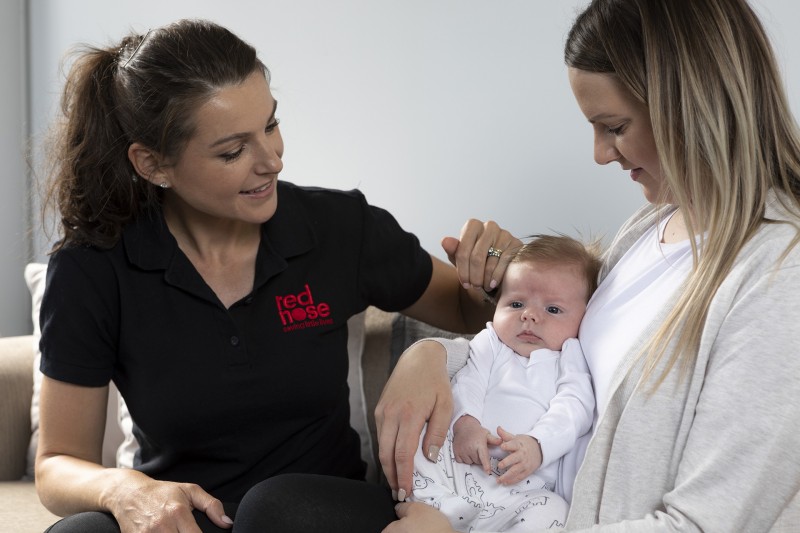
x=718, y=451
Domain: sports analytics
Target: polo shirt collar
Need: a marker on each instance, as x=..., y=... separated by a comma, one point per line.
x=149, y=244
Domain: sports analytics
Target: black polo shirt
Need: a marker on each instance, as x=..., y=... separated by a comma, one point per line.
x=228, y=397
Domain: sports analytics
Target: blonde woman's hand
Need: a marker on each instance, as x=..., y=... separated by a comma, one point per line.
x=470, y=253
x=418, y=391
x=418, y=518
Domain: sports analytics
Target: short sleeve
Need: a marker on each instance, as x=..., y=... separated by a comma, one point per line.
x=394, y=269
x=79, y=318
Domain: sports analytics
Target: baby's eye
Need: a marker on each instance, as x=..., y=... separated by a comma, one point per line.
x=553, y=310
x=516, y=305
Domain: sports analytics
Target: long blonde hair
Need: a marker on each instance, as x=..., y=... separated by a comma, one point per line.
x=722, y=126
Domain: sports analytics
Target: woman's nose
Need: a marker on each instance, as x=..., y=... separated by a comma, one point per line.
x=270, y=153
x=604, y=151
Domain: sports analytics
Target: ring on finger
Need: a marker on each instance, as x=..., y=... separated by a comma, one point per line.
x=494, y=252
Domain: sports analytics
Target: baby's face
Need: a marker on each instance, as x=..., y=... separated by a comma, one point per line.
x=540, y=306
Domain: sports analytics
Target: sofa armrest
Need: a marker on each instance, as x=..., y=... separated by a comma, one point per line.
x=16, y=384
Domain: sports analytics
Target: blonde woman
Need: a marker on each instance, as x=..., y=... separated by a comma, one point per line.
x=692, y=335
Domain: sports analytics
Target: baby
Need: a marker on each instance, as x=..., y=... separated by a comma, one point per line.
x=526, y=379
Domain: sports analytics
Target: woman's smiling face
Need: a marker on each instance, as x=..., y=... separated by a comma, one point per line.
x=622, y=129
x=229, y=168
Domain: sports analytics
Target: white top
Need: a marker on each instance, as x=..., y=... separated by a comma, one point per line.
x=626, y=302
x=548, y=396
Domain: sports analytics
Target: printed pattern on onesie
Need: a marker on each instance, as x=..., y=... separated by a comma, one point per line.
x=473, y=500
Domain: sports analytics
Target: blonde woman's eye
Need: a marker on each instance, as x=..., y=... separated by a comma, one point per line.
x=272, y=125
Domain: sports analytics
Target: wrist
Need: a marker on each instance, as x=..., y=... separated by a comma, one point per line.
x=537, y=445
x=119, y=486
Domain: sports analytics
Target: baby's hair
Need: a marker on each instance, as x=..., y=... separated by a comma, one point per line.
x=563, y=250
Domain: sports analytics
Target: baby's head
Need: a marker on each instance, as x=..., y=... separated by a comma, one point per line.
x=544, y=292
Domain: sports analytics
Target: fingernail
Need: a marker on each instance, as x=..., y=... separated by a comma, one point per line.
x=466, y=286
x=493, y=284
x=394, y=495
x=227, y=520
x=401, y=495
x=433, y=453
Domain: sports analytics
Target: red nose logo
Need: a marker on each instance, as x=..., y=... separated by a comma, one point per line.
x=300, y=307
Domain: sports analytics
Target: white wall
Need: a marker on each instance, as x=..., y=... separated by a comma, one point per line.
x=14, y=249
x=439, y=110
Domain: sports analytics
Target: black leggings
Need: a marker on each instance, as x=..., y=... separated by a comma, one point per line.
x=290, y=503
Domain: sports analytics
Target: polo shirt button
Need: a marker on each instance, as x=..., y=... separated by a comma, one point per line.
x=234, y=341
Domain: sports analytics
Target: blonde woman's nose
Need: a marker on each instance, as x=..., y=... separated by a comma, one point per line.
x=604, y=151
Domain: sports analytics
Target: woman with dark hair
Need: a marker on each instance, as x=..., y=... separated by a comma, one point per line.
x=219, y=312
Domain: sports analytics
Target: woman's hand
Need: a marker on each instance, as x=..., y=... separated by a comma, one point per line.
x=70, y=478
x=471, y=442
x=418, y=518
x=418, y=391
x=155, y=506
x=475, y=253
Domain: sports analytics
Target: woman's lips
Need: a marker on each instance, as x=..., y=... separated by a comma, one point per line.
x=259, y=192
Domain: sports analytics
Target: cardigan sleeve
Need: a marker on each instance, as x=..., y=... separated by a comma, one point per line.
x=457, y=353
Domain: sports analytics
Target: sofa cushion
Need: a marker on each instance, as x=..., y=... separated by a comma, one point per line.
x=15, y=383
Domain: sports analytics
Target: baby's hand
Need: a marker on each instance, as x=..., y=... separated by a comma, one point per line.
x=471, y=442
x=524, y=457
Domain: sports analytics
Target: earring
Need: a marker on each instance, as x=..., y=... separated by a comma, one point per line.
x=164, y=185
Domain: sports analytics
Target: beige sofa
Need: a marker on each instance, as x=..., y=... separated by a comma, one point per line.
x=380, y=338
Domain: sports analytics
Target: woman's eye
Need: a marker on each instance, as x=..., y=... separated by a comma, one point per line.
x=232, y=156
x=553, y=310
x=272, y=125
x=617, y=130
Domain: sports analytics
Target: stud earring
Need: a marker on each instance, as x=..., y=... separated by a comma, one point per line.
x=164, y=185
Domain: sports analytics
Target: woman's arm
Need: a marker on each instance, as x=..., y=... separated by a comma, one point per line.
x=418, y=391
x=71, y=479
x=455, y=299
